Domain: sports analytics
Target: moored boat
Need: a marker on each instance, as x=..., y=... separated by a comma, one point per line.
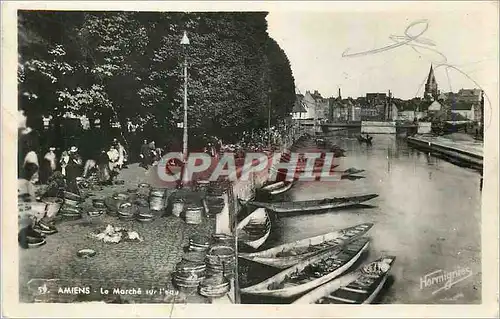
x=358, y=287
x=254, y=229
x=352, y=171
x=289, y=254
x=277, y=188
x=311, y=272
x=314, y=205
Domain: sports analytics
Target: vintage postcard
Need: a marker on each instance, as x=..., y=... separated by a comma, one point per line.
x=257, y=159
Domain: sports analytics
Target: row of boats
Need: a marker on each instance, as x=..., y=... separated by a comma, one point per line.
x=314, y=270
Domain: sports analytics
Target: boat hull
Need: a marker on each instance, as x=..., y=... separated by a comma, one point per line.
x=352, y=288
x=312, y=206
x=261, y=289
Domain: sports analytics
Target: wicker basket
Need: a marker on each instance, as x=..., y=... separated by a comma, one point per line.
x=223, y=240
x=121, y=196
x=215, y=205
x=193, y=215
x=99, y=203
x=177, y=207
x=221, y=259
x=188, y=274
x=215, y=286
x=72, y=196
x=157, y=199
x=217, y=188
x=195, y=256
x=127, y=211
x=202, y=185
x=70, y=212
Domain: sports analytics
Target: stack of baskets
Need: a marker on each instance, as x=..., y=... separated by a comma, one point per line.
x=202, y=185
x=188, y=275
x=127, y=211
x=99, y=203
x=71, y=206
x=157, y=199
x=177, y=206
x=112, y=205
x=217, y=188
x=223, y=240
x=193, y=214
x=143, y=212
x=215, y=286
x=221, y=260
x=199, y=243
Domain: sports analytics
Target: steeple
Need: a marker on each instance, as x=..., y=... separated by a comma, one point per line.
x=431, y=87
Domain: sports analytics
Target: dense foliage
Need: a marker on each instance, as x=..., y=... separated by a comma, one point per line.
x=129, y=65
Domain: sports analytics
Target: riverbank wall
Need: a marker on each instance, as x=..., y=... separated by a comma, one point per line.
x=243, y=190
x=465, y=154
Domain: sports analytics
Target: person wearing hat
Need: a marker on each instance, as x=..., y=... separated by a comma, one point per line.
x=73, y=170
x=48, y=166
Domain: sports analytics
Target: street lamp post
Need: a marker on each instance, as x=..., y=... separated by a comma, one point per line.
x=269, y=120
x=185, y=43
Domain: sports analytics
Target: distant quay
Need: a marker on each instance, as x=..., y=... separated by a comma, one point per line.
x=452, y=151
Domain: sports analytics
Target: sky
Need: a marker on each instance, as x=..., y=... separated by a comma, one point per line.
x=314, y=41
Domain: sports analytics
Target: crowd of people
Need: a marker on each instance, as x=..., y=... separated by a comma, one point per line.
x=67, y=166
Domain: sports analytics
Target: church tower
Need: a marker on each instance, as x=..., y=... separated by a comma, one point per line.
x=431, y=87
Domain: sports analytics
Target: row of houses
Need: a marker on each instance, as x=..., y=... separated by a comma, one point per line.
x=468, y=104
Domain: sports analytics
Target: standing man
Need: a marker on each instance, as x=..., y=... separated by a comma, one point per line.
x=73, y=170
x=49, y=165
x=145, y=154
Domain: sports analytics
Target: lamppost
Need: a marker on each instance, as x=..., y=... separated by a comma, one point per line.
x=269, y=119
x=185, y=43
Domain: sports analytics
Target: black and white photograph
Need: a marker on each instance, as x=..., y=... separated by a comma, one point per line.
x=342, y=154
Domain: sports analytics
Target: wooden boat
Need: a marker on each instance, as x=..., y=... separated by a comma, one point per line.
x=358, y=287
x=352, y=171
x=311, y=272
x=314, y=205
x=277, y=188
x=254, y=229
x=287, y=255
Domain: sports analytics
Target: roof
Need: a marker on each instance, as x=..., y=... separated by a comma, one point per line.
x=435, y=106
x=461, y=106
x=469, y=92
x=298, y=106
x=376, y=95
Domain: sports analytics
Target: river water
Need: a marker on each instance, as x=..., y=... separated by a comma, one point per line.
x=427, y=215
